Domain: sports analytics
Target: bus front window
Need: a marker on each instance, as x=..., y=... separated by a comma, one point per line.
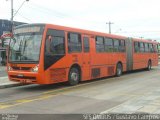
x=25, y=48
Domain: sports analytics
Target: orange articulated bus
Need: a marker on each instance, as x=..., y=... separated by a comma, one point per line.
x=47, y=54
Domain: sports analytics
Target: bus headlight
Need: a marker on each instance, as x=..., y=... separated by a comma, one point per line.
x=10, y=68
x=35, y=69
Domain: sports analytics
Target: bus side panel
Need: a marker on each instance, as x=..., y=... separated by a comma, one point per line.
x=141, y=60
x=104, y=64
x=86, y=64
x=155, y=59
x=59, y=71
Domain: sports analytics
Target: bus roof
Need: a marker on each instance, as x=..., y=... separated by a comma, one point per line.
x=87, y=32
x=70, y=29
x=83, y=31
x=144, y=40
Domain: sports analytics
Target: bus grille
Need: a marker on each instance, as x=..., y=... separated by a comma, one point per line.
x=24, y=77
x=95, y=72
x=21, y=68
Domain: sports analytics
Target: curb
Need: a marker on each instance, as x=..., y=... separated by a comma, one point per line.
x=9, y=85
x=5, y=77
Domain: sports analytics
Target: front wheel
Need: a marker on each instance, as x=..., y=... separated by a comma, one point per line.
x=119, y=70
x=74, y=76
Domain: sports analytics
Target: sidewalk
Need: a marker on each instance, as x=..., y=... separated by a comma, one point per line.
x=5, y=83
x=2, y=68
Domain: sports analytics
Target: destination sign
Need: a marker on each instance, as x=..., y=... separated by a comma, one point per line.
x=27, y=30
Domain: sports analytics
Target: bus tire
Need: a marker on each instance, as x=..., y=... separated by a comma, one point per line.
x=149, y=66
x=119, y=70
x=74, y=76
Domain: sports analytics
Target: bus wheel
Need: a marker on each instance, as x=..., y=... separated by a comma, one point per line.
x=119, y=70
x=74, y=76
x=149, y=67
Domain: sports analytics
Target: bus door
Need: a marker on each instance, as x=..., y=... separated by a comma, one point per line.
x=129, y=50
x=86, y=58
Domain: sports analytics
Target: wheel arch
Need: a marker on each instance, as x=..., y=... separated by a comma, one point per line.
x=120, y=62
x=149, y=65
x=76, y=65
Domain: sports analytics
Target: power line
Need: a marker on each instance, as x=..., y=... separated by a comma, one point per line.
x=25, y=18
x=48, y=11
x=139, y=32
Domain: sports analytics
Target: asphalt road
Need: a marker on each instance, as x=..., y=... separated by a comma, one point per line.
x=136, y=92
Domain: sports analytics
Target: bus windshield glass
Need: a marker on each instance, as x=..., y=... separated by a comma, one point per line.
x=25, y=47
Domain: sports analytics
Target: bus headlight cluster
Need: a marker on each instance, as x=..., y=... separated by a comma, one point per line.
x=10, y=68
x=35, y=69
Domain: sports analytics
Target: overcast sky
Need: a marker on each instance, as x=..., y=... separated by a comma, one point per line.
x=132, y=18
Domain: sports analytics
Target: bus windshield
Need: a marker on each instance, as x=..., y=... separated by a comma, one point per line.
x=25, y=47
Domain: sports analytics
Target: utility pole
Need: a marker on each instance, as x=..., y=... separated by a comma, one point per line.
x=11, y=16
x=109, y=23
x=12, y=12
x=141, y=37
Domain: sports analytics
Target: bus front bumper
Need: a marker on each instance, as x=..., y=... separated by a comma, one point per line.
x=23, y=77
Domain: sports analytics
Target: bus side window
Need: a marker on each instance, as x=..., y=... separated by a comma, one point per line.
x=141, y=47
x=136, y=47
x=116, y=45
x=99, y=44
x=158, y=46
x=86, y=44
x=122, y=46
x=55, y=42
x=47, y=45
x=57, y=45
x=146, y=47
x=155, y=48
x=151, y=48
x=108, y=45
x=74, y=43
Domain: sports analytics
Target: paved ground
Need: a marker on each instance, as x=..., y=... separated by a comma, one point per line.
x=3, y=71
x=130, y=93
x=4, y=82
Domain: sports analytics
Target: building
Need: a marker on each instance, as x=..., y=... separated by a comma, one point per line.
x=5, y=27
